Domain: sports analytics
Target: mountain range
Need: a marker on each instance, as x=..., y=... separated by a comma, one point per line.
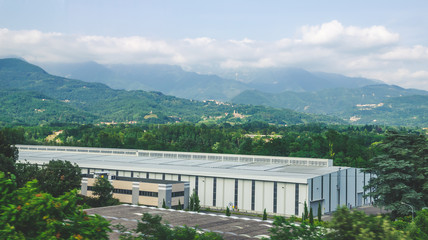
x=372, y=104
x=29, y=95
x=354, y=100
x=173, y=80
x=321, y=97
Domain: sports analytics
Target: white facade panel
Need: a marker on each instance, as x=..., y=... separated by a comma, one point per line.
x=281, y=204
x=229, y=192
x=317, y=189
x=351, y=195
x=290, y=190
x=342, y=199
x=303, y=197
x=201, y=190
x=208, y=193
x=259, y=198
x=333, y=192
x=326, y=193
x=220, y=193
x=244, y=201
x=268, y=196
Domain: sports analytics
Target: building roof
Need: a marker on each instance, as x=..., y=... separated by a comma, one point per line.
x=270, y=169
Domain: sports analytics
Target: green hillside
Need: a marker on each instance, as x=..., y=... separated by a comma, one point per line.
x=380, y=104
x=25, y=107
x=105, y=104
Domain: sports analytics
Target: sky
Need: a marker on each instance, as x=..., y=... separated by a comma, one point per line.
x=385, y=40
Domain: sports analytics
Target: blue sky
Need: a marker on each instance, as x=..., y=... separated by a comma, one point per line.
x=386, y=40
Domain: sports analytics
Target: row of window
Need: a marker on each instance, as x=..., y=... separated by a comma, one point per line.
x=177, y=194
x=148, y=194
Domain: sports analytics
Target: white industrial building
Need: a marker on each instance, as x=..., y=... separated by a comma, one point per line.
x=247, y=183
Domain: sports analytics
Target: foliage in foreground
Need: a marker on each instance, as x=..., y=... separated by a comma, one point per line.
x=27, y=213
x=287, y=229
x=401, y=173
x=350, y=225
x=151, y=228
x=103, y=190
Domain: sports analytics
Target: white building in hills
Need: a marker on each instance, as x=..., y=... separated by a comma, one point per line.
x=247, y=183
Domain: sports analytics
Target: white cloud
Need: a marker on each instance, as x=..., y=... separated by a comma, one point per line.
x=334, y=33
x=331, y=47
x=417, y=52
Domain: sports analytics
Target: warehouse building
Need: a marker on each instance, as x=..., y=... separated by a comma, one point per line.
x=142, y=191
x=281, y=185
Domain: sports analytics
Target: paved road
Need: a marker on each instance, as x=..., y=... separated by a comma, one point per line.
x=232, y=227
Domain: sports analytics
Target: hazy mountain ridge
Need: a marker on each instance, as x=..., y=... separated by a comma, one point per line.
x=173, y=80
x=101, y=103
x=369, y=104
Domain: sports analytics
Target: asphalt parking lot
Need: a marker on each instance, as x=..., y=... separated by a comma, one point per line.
x=232, y=227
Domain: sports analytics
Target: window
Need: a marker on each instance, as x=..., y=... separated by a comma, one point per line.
x=215, y=192
x=122, y=191
x=196, y=184
x=177, y=194
x=296, y=200
x=275, y=196
x=236, y=194
x=148, y=194
x=253, y=194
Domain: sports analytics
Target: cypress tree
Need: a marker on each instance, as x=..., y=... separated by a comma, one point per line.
x=305, y=213
x=311, y=217
x=264, y=215
x=179, y=205
x=227, y=211
x=319, y=212
x=163, y=203
x=191, y=204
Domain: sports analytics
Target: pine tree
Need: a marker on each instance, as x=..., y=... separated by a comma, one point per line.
x=191, y=204
x=227, y=211
x=179, y=205
x=319, y=212
x=311, y=217
x=264, y=215
x=163, y=203
x=305, y=212
x=401, y=174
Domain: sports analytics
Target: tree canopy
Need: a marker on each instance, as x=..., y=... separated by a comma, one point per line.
x=401, y=173
x=28, y=213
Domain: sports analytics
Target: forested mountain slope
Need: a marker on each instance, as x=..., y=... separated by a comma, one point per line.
x=381, y=104
x=98, y=102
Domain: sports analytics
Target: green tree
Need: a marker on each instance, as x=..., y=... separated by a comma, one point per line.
x=305, y=212
x=401, y=173
x=418, y=229
x=264, y=215
x=194, y=202
x=319, y=212
x=104, y=191
x=26, y=172
x=287, y=229
x=179, y=205
x=58, y=177
x=163, y=203
x=351, y=225
x=28, y=213
x=311, y=217
x=227, y=211
x=8, y=155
